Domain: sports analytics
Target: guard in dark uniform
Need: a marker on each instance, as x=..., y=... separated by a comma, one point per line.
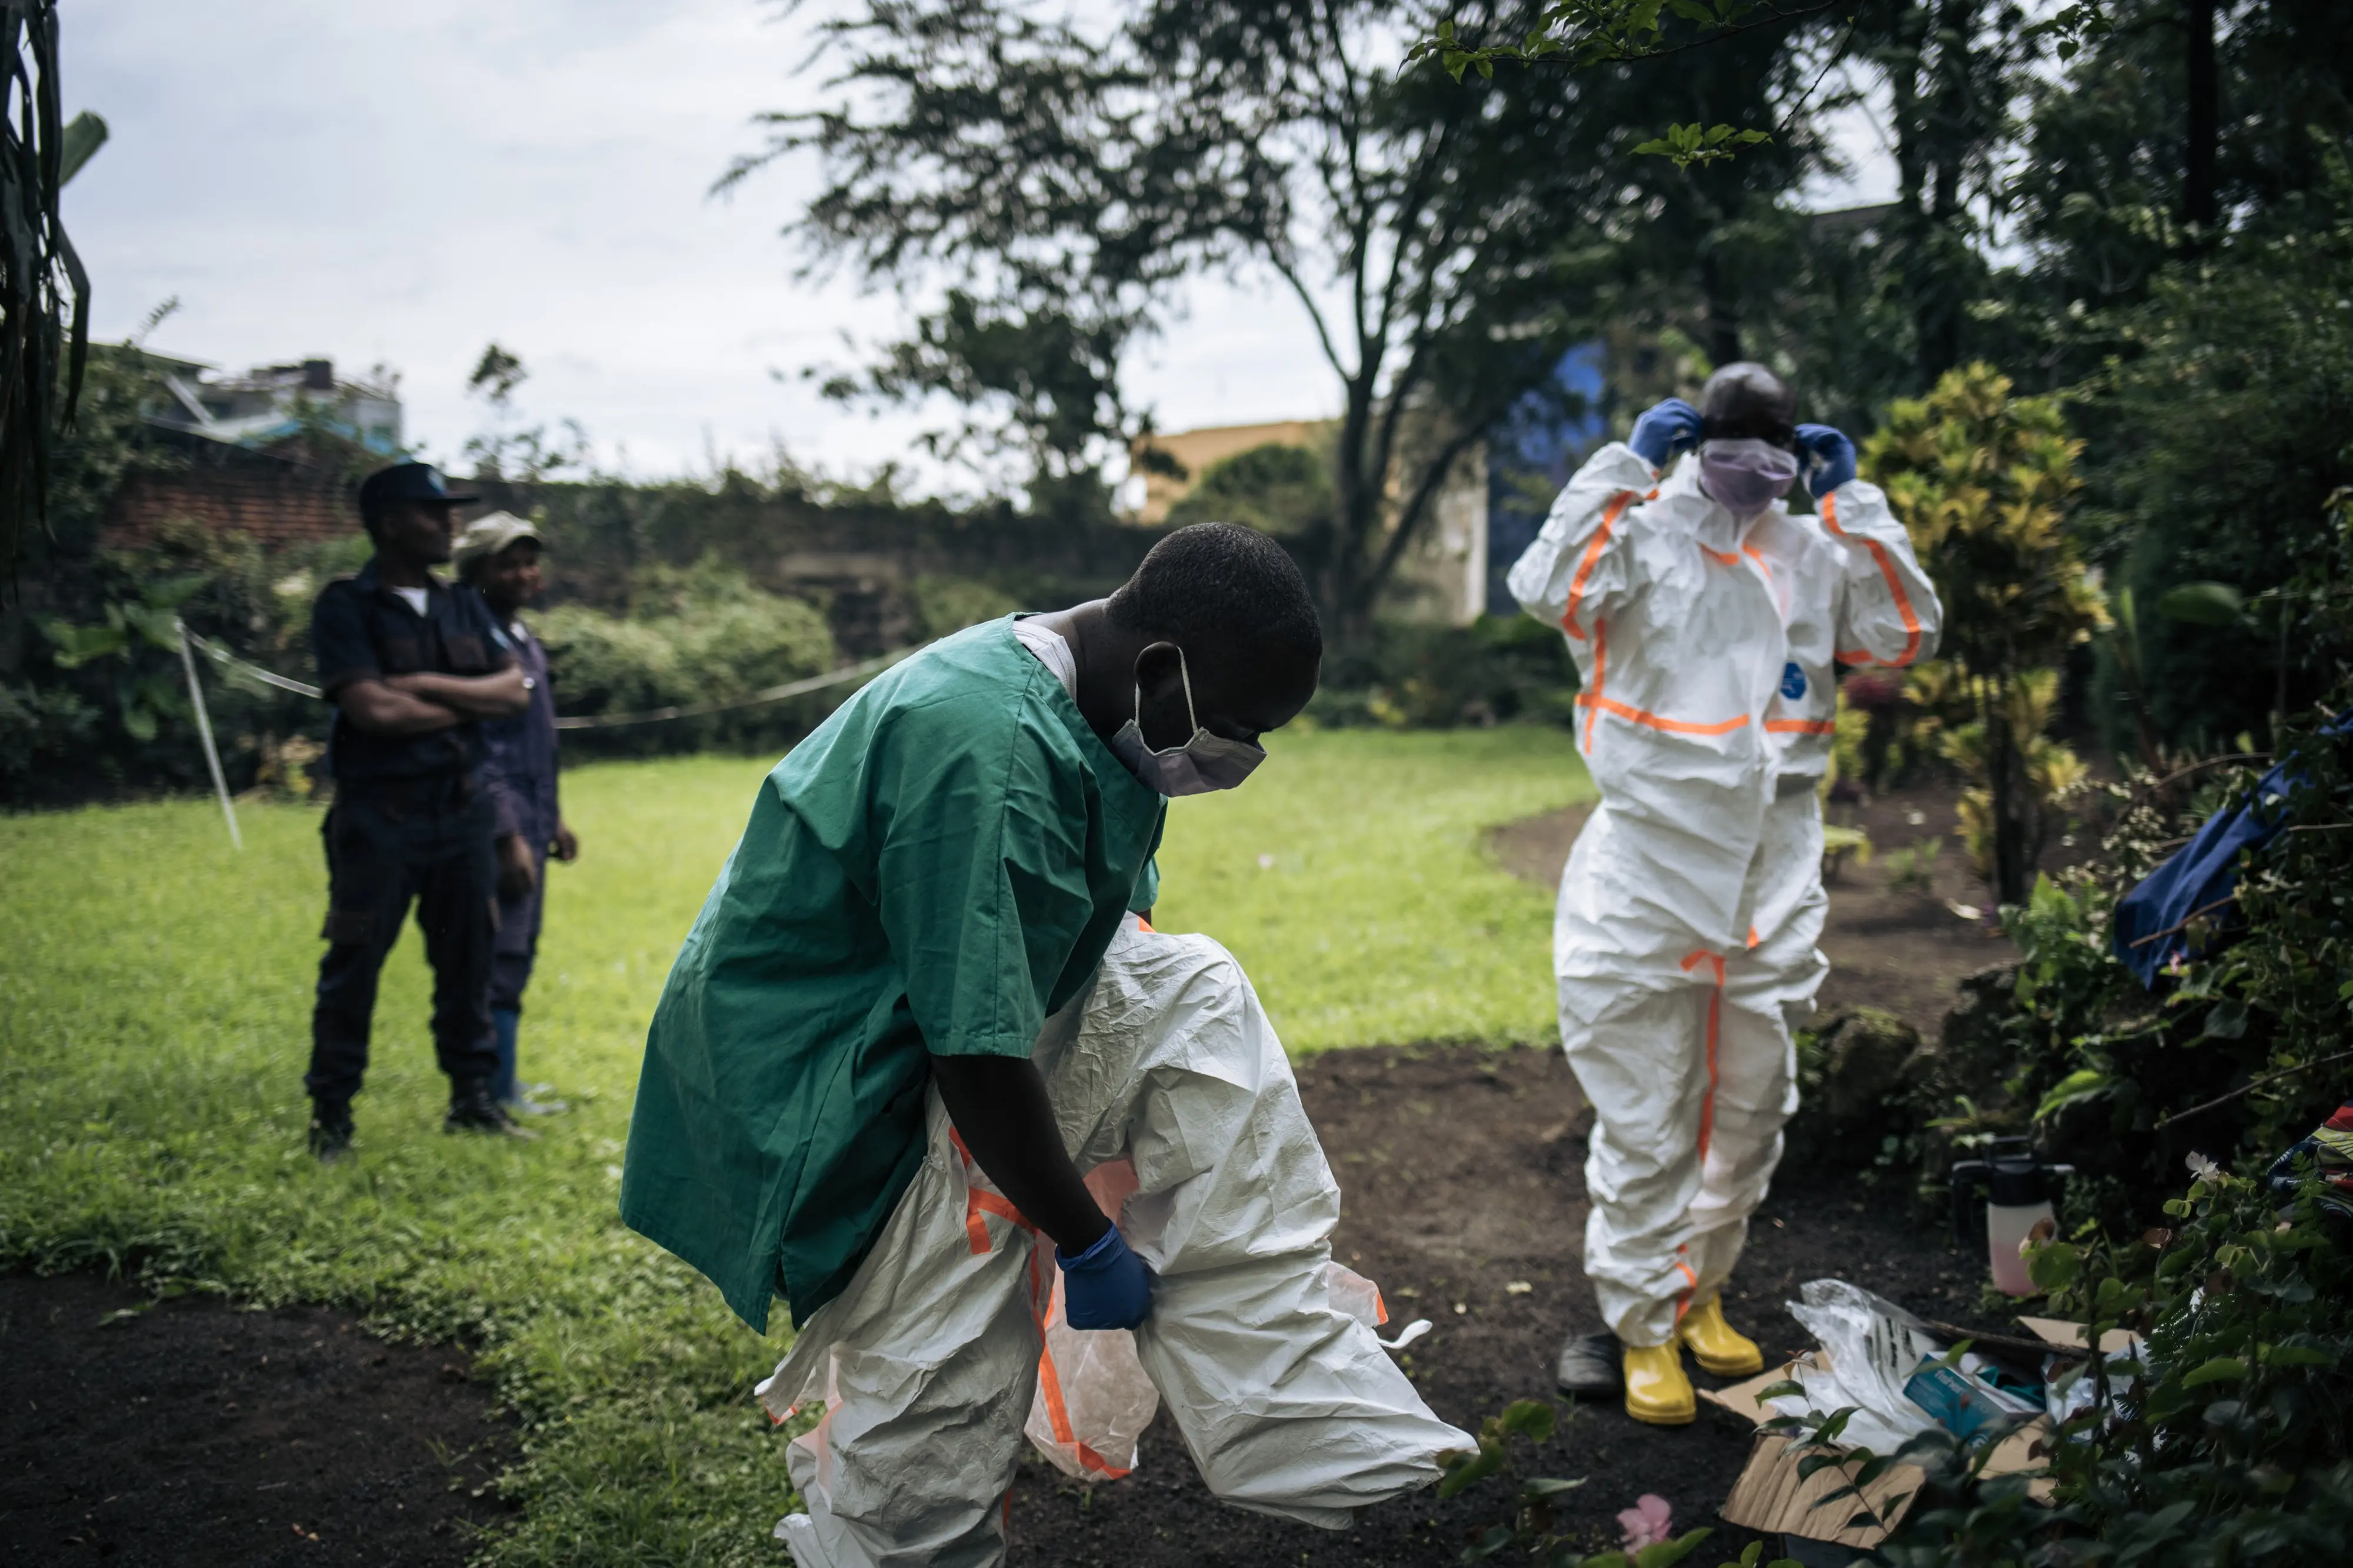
x=413, y=665
x=499, y=557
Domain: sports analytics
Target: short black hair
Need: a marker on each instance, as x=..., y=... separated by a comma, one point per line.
x=1219, y=588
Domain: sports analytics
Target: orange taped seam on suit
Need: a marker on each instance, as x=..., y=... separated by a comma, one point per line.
x=1601, y=661
x=1715, y=1023
x=1894, y=587
x=1610, y=515
x=978, y=1202
x=1599, y=703
x=1802, y=726
x=1050, y=1380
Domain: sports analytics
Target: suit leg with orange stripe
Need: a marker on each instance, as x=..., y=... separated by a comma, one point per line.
x=1769, y=990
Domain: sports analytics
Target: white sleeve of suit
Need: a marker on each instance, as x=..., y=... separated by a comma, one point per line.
x=1578, y=566
x=1888, y=613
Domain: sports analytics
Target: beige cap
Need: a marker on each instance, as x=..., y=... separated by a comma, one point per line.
x=486, y=536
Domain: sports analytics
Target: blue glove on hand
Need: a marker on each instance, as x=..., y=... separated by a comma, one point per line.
x=1105, y=1286
x=1828, y=456
x=1663, y=430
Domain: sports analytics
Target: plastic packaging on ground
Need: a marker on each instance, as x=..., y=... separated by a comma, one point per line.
x=1175, y=1100
x=1872, y=1347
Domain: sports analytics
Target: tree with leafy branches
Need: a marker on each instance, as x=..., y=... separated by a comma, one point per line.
x=1984, y=480
x=1069, y=177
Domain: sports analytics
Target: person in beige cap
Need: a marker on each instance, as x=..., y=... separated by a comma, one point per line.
x=500, y=557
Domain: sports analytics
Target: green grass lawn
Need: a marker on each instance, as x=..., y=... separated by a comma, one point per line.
x=153, y=1028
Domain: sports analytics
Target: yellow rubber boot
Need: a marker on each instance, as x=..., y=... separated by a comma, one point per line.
x=1715, y=1344
x=1657, y=1392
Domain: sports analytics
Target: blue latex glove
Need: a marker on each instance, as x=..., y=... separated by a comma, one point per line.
x=1663, y=430
x=1105, y=1286
x=1828, y=457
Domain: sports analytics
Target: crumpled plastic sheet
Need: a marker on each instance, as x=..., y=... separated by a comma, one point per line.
x=1175, y=1100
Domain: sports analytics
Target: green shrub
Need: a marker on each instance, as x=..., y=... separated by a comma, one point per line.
x=2227, y=1445
x=102, y=703
x=1279, y=490
x=695, y=636
x=1421, y=677
x=2228, y=405
x=945, y=605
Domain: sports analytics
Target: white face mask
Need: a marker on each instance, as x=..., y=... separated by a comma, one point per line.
x=1205, y=762
x=1745, y=475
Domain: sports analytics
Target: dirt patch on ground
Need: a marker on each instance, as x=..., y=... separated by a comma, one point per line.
x=1903, y=947
x=1463, y=1175
x=189, y=1432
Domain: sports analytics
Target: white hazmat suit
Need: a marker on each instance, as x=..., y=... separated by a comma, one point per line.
x=1176, y=1101
x=1684, y=940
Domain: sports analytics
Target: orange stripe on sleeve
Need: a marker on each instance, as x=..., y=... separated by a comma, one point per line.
x=1802, y=726
x=1593, y=700
x=1610, y=515
x=1894, y=586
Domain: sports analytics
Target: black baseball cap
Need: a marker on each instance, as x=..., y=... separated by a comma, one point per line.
x=387, y=487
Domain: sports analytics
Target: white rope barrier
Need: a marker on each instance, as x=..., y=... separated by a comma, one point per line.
x=204, y=731
x=232, y=666
x=860, y=671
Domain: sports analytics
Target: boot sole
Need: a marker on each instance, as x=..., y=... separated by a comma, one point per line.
x=1683, y=1418
x=1750, y=1368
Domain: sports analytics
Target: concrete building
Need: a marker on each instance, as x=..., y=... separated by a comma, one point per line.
x=271, y=403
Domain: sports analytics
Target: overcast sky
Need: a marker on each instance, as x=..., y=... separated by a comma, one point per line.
x=404, y=184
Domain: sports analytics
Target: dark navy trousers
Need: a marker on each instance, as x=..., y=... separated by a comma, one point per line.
x=426, y=842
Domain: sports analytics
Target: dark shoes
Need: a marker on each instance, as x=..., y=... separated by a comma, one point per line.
x=473, y=1109
x=331, y=1131
x=1591, y=1366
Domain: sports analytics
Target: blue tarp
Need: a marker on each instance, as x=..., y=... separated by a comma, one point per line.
x=2199, y=875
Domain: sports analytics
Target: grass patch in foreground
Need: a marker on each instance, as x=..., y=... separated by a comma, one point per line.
x=154, y=993
x=1351, y=878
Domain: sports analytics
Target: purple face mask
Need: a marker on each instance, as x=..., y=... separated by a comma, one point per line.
x=1745, y=475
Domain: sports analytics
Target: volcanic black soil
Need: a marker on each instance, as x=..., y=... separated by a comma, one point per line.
x=189, y=1432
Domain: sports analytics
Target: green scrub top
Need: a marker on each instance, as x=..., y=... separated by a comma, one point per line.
x=937, y=869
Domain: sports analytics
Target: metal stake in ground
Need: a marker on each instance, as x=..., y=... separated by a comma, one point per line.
x=204, y=731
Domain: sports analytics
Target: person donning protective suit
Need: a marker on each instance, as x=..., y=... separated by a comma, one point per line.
x=1174, y=1100
x=1708, y=622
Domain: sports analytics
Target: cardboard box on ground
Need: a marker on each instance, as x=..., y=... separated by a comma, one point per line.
x=1769, y=1495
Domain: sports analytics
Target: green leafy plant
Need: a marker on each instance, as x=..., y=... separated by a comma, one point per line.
x=2222, y=1439
x=1684, y=145
x=698, y=634
x=1915, y=869
x=1984, y=481
x=129, y=634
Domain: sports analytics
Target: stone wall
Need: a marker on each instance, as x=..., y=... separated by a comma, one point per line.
x=279, y=507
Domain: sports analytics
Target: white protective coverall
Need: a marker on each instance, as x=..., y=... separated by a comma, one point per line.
x=1683, y=941
x=1176, y=1102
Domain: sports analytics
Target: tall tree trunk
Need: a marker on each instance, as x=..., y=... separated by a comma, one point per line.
x=2199, y=201
x=1723, y=312
x=1946, y=115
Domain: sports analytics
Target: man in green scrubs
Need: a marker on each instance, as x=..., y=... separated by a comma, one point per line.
x=923, y=880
